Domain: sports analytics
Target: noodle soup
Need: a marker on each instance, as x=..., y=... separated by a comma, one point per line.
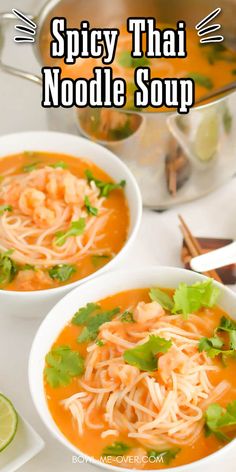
x=61, y=219
x=145, y=378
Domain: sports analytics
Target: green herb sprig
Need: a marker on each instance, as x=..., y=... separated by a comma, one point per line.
x=105, y=187
x=62, y=365
x=77, y=229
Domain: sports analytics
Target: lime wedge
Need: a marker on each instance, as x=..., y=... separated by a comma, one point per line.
x=8, y=422
x=207, y=137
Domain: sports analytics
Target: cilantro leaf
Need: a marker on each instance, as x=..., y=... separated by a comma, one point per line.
x=144, y=355
x=82, y=315
x=127, y=317
x=226, y=324
x=62, y=365
x=59, y=165
x=92, y=325
x=188, y=299
x=100, y=342
x=62, y=272
x=31, y=167
x=27, y=267
x=167, y=455
x=126, y=60
x=215, y=346
x=105, y=187
x=218, y=52
x=77, y=228
x=121, y=132
x=158, y=295
x=201, y=80
x=212, y=346
x=116, y=449
x=8, y=268
x=90, y=209
x=99, y=259
x=229, y=326
x=217, y=418
x=4, y=208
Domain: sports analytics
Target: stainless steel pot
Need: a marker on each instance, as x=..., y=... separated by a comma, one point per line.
x=205, y=139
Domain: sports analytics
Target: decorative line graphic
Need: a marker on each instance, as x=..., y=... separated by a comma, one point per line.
x=29, y=29
x=203, y=30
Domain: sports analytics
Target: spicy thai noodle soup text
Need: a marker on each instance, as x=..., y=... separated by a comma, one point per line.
x=61, y=219
x=145, y=378
x=210, y=66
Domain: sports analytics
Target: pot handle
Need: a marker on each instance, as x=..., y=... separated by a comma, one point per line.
x=9, y=69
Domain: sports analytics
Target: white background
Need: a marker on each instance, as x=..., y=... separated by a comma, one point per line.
x=159, y=242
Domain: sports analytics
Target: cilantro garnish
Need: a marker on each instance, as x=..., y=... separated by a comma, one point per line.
x=144, y=355
x=105, y=187
x=121, y=132
x=93, y=323
x=59, y=165
x=116, y=449
x=229, y=326
x=62, y=272
x=127, y=317
x=31, y=167
x=100, y=342
x=126, y=60
x=8, y=268
x=27, y=267
x=158, y=295
x=167, y=455
x=212, y=346
x=201, y=80
x=218, y=52
x=77, y=228
x=82, y=315
x=99, y=259
x=188, y=299
x=62, y=365
x=215, y=346
x=4, y=208
x=90, y=209
x=217, y=418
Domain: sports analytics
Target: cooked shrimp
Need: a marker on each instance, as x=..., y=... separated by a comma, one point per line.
x=174, y=359
x=30, y=199
x=43, y=217
x=147, y=311
x=74, y=189
x=26, y=279
x=126, y=374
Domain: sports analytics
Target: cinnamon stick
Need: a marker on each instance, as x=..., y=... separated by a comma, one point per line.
x=194, y=247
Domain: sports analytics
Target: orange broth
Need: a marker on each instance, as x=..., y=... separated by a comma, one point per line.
x=90, y=442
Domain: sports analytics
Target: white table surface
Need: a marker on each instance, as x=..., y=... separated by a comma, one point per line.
x=158, y=243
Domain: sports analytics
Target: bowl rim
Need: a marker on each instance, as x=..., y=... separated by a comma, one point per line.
x=133, y=230
x=106, y=278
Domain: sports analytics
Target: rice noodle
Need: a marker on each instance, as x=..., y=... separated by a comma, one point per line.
x=160, y=408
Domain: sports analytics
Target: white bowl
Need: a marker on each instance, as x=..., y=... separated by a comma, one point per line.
x=93, y=291
x=38, y=303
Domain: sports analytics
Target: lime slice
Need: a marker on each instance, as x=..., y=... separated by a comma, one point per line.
x=8, y=422
x=207, y=137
